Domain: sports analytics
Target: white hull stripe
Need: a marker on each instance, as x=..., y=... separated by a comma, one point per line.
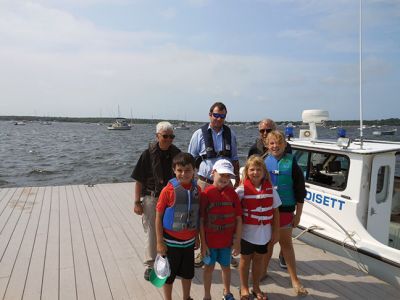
x=259, y=196
x=259, y=218
x=259, y=209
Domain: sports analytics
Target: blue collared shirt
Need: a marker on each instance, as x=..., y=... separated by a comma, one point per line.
x=197, y=147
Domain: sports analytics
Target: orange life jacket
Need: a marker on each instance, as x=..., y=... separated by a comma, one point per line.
x=257, y=205
x=220, y=214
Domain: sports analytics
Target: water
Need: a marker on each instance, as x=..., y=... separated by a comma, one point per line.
x=76, y=153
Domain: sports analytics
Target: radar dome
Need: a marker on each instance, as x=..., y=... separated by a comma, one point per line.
x=315, y=116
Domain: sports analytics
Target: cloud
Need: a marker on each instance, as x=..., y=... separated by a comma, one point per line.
x=34, y=27
x=296, y=34
x=197, y=3
x=169, y=13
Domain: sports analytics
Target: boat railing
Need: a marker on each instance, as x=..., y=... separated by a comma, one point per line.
x=378, y=141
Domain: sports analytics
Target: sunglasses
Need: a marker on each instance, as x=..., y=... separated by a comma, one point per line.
x=165, y=136
x=266, y=130
x=215, y=115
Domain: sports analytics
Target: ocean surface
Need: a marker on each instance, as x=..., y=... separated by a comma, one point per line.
x=77, y=153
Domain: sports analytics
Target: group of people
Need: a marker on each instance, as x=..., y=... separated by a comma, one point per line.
x=183, y=211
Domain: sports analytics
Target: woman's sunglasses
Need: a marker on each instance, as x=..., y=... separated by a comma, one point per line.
x=266, y=130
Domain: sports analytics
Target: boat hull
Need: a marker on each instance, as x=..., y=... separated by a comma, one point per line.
x=120, y=128
x=375, y=265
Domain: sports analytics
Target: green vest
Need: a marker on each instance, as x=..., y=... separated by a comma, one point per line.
x=281, y=177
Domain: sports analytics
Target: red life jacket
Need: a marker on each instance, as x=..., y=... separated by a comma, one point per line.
x=257, y=205
x=220, y=214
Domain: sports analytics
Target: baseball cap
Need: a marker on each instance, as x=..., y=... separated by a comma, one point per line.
x=224, y=166
x=160, y=272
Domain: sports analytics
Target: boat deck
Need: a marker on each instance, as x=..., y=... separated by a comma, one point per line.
x=70, y=242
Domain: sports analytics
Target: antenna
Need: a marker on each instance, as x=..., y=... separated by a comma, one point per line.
x=360, y=53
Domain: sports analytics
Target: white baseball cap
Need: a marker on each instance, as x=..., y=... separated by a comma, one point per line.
x=161, y=271
x=224, y=166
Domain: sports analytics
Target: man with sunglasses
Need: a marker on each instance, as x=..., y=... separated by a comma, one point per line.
x=212, y=142
x=264, y=127
x=151, y=174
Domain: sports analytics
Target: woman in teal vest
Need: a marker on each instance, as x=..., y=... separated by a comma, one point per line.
x=288, y=179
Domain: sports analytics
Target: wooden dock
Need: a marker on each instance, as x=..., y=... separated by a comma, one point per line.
x=81, y=242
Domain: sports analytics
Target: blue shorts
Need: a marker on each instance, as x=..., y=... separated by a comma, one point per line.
x=220, y=255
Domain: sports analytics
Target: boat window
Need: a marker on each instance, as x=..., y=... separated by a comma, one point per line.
x=382, y=184
x=324, y=169
x=302, y=160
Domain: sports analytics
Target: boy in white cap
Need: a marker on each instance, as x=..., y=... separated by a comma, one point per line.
x=220, y=226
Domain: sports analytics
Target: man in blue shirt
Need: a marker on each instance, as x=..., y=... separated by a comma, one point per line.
x=212, y=142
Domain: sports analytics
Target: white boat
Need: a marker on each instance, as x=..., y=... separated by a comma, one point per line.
x=385, y=132
x=21, y=123
x=119, y=124
x=352, y=205
x=182, y=126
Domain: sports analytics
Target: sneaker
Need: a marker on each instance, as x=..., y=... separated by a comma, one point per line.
x=228, y=296
x=198, y=261
x=234, y=262
x=147, y=274
x=282, y=262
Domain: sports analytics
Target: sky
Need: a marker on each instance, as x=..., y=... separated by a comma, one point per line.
x=173, y=59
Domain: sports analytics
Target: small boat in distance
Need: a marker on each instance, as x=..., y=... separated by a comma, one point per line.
x=119, y=124
x=385, y=132
x=182, y=126
x=20, y=123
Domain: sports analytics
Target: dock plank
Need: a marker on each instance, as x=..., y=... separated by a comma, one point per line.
x=83, y=277
x=50, y=286
x=67, y=286
x=72, y=242
x=12, y=235
x=99, y=222
x=34, y=279
x=9, y=218
x=19, y=273
x=127, y=256
x=100, y=282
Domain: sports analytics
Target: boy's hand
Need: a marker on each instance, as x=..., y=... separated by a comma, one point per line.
x=138, y=209
x=236, y=247
x=161, y=248
x=204, y=250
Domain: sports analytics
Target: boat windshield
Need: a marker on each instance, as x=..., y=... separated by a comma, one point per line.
x=324, y=169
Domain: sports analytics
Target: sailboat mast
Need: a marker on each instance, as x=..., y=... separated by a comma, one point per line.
x=360, y=63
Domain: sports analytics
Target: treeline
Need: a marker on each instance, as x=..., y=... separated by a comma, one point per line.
x=82, y=120
x=391, y=121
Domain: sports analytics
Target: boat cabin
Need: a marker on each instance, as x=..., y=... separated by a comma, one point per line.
x=353, y=189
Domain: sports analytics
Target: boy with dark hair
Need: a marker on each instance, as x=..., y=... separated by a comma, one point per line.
x=177, y=221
